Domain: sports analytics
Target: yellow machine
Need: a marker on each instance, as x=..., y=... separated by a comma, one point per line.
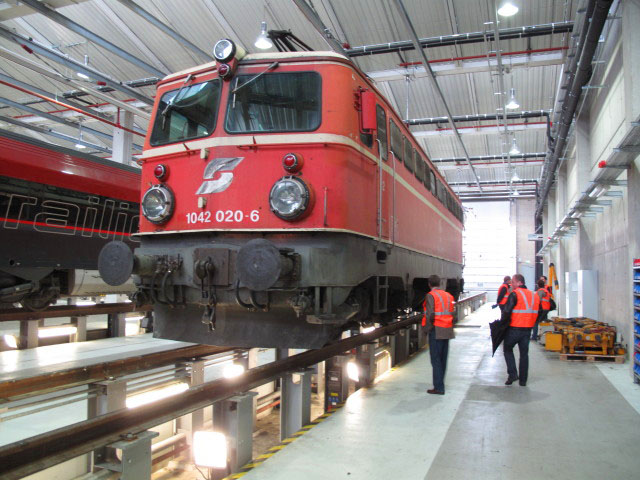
x=583, y=335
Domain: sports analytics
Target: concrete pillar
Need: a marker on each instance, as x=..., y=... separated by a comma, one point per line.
x=117, y=325
x=123, y=140
x=28, y=334
x=192, y=422
x=295, y=403
x=233, y=417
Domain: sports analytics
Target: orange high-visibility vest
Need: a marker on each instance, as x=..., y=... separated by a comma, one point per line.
x=443, y=308
x=549, y=290
x=545, y=303
x=525, y=312
x=506, y=295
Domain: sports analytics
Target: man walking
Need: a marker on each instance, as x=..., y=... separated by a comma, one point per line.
x=520, y=313
x=545, y=306
x=438, y=310
x=503, y=292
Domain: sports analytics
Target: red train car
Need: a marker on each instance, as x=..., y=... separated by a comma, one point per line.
x=58, y=208
x=284, y=201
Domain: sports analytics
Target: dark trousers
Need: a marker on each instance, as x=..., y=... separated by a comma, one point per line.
x=439, y=349
x=517, y=336
x=542, y=318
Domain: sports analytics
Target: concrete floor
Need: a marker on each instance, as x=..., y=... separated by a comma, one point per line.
x=573, y=420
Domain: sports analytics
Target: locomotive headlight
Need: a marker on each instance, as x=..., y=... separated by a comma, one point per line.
x=157, y=204
x=290, y=198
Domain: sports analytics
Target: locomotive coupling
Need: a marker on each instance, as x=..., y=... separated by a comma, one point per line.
x=117, y=263
x=260, y=265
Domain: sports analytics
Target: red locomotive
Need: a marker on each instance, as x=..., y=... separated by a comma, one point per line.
x=58, y=208
x=284, y=202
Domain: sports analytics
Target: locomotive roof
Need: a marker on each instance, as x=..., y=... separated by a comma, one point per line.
x=260, y=56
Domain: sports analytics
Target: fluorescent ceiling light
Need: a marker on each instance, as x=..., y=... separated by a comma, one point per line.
x=154, y=395
x=210, y=449
x=368, y=329
x=507, y=9
x=83, y=76
x=263, y=42
x=11, y=341
x=353, y=372
x=57, y=331
x=80, y=146
x=232, y=370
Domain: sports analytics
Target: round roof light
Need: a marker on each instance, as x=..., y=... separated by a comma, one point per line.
x=224, y=50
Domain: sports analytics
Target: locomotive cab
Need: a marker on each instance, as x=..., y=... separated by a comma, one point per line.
x=268, y=210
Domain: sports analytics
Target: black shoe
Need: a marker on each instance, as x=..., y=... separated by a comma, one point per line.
x=510, y=380
x=433, y=391
x=523, y=384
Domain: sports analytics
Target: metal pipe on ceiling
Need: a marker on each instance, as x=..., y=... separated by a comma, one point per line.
x=488, y=157
x=32, y=46
x=53, y=133
x=33, y=66
x=432, y=75
x=461, y=38
x=59, y=120
x=134, y=7
x=479, y=117
x=321, y=28
x=86, y=33
x=497, y=183
x=580, y=73
x=57, y=102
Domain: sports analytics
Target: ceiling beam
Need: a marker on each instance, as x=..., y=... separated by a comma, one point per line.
x=462, y=38
x=529, y=163
x=66, y=22
x=134, y=7
x=320, y=27
x=225, y=26
x=31, y=45
x=488, y=157
x=52, y=133
x=462, y=65
x=479, y=117
x=425, y=61
x=481, y=130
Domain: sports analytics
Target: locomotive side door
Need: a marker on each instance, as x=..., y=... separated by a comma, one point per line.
x=386, y=181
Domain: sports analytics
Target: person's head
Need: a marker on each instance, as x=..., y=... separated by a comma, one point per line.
x=543, y=278
x=507, y=279
x=517, y=281
x=541, y=283
x=434, y=281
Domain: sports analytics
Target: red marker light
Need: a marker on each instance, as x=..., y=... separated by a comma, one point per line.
x=224, y=70
x=602, y=164
x=292, y=163
x=160, y=171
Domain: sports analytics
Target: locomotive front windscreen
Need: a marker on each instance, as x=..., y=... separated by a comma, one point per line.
x=186, y=112
x=275, y=102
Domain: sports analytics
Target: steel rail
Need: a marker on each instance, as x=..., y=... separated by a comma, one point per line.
x=16, y=388
x=34, y=454
x=461, y=38
x=13, y=314
x=432, y=75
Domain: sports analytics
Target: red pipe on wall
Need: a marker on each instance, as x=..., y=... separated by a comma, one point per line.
x=474, y=57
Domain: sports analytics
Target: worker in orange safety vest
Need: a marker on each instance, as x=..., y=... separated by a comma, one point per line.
x=521, y=312
x=545, y=306
x=503, y=292
x=439, y=310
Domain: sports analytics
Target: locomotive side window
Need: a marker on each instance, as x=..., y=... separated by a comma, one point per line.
x=396, y=141
x=381, y=120
x=433, y=183
x=275, y=102
x=408, y=155
x=419, y=166
x=186, y=112
x=427, y=176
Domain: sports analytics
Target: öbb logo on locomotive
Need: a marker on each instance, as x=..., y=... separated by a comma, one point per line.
x=298, y=205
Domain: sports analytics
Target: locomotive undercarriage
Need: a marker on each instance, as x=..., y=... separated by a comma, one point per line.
x=296, y=291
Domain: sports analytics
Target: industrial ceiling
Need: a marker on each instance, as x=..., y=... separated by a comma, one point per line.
x=478, y=58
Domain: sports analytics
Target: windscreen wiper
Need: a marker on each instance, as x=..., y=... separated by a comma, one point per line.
x=254, y=78
x=176, y=98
